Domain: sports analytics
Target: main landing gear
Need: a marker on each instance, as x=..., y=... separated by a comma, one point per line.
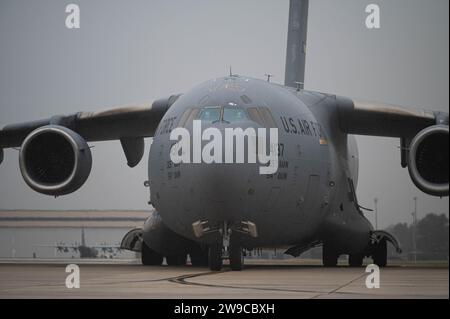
x=198, y=255
x=329, y=255
x=149, y=257
x=356, y=260
x=378, y=251
x=330, y=258
x=379, y=255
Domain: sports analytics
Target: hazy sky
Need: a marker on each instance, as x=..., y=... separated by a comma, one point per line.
x=134, y=51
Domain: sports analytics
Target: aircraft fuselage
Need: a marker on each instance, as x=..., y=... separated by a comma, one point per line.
x=306, y=199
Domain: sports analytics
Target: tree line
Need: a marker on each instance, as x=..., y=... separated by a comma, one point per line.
x=431, y=237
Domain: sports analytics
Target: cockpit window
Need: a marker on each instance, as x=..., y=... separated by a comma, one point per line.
x=262, y=116
x=234, y=114
x=184, y=118
x=255, y=116
x=188, y=116
x=210, y=114
x=267, y=117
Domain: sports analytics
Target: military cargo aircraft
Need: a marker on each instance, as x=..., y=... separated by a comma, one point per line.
x=211, y=211
x=85, y=250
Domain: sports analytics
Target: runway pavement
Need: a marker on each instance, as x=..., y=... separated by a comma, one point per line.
x=260, y=279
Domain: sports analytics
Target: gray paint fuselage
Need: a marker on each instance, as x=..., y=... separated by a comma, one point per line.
x=306, y=200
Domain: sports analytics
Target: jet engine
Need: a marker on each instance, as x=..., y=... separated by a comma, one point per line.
x=428, y=160
x=55, y=160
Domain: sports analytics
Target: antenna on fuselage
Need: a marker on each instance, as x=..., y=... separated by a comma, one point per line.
x=296, y=42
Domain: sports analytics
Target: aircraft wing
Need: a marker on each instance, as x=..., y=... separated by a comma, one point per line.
x=55, y=158
x=423, y=138
x=379, y=119
x=129, y=124
x=112, y=124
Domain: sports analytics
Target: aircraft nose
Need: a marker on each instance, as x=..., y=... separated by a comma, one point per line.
x=224, y=188
x=225, y=184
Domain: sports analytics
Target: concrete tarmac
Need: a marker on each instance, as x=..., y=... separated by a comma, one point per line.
x=259, y=279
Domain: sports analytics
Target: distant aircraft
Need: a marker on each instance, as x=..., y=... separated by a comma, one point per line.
x=214, y=211
x=85, y=251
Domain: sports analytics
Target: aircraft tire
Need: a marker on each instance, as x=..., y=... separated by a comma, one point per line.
x=236, y=258
x=176, y=260
x=215, y=257
x=149, y=257
x=380, y=254
x=199, y=256
x=356, y=260
x=329, y=256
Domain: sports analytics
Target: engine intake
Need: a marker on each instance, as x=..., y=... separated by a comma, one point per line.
x=55, y=160
x=428, y=160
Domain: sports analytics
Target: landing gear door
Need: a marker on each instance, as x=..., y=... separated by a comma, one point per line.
x=132, y=240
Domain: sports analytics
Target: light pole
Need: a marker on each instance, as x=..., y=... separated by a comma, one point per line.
x=414, y=215
x=376, y=213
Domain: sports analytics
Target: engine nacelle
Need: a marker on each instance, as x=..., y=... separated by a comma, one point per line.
x=428, y=160
x=55, y=160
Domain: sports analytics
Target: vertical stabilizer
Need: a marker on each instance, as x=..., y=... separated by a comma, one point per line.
x=296, y=43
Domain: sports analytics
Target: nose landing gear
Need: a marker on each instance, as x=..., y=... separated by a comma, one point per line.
x=227, y=249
